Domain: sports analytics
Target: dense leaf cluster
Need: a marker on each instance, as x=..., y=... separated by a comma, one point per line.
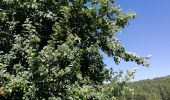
x=51, y=48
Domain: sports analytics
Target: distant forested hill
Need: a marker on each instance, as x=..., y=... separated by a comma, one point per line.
x=155, y=89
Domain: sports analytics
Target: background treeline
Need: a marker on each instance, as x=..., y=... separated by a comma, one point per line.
x=155, y=89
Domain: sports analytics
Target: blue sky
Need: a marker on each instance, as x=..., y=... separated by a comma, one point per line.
x=148, y=33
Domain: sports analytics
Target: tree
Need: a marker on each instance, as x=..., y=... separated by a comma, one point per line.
x=51, y=48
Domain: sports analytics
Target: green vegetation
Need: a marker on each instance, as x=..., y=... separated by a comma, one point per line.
x=50, y=49
x=155, y=89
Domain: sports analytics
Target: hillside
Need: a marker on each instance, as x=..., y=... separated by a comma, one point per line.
x=155, y=89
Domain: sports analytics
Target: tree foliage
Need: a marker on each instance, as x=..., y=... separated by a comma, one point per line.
x=155, y=89
x=50, y=49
